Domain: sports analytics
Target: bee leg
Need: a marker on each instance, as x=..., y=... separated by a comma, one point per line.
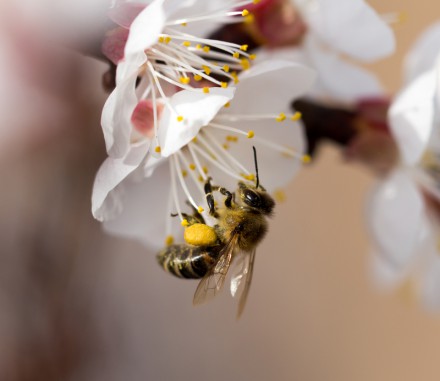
x=196, y=216
x=225, y=192
x=210, y=197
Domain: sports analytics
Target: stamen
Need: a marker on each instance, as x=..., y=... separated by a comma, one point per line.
x=174, y=190
x=192, y=175
x=182, y=182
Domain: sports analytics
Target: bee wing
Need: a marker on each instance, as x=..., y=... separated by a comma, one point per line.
x=214, y=279
x=246, y=275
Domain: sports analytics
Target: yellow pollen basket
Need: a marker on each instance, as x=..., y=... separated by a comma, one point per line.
x=200, y=235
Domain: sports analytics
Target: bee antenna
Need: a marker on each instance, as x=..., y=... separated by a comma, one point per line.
x=256, y=166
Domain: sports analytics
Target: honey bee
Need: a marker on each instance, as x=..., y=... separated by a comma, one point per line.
x=241, y=226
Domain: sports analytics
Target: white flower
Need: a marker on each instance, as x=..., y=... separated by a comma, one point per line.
x=403, y=215
x=163, y=57
x=141, y=191
x=336, y=28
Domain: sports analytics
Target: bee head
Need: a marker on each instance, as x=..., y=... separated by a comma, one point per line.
x=256, y=198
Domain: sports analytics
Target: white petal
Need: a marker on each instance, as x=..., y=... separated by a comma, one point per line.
x=411, y=116
x=423, y=54
x=350, y=26
x=146, y=28
x=145, y=210
x=397, y=220
x=430, y=282
x=275, y=168
x=270, y=86
x=105, y=199
x=197, y=109
x=339, y=79
x=116, y=117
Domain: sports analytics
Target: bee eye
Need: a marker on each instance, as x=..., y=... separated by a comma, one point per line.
x=252, y=198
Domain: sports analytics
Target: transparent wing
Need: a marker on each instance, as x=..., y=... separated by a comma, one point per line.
x=214, y=279
x=248, y=269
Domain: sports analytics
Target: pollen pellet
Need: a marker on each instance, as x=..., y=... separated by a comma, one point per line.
x=200, y=235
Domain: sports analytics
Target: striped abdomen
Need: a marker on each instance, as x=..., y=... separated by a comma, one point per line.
x=186, y=261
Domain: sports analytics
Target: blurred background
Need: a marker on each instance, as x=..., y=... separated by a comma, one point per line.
x=76, y=304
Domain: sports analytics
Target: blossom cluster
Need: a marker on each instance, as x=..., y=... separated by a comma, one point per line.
x=190, y=102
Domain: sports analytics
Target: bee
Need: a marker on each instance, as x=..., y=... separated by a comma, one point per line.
x=241, y=225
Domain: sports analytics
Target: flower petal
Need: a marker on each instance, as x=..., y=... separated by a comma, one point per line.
x=423, y=54
x=270, y=86
x=197, y=110
x=351, y=26
x=146, y=28
x=124, y=14
x=338, y=78
x=116, y=116
x=105, y=198
x=411, y=116
x=397, y=220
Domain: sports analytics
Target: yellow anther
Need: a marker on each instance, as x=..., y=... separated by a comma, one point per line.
x=184, y=173
x=205, y=169
x=244, y=47
x=183, y=24
x=250, y=177
x=197, y=77
x=252, y=56
x=157, y=149
x=184, y=80
x=192, y=167
x=281, y=117
x=236, y=54
x=167, y=39
x=200, y=209
x=206, y=90
x=249, y=19
x=194, y=140
x=198, y=46
x=161, y=39
x=186, y=43
x=306, y=159
x=180, y=118
x=256, y=1
x=185, y=222
x=226, y=68
x=224, y=84
x=231, y=138
x=206, y=49
x=227, y=104
x=296, y=116
x=169, y=240
x=279, y=195
x=225, y=146
x=200, y=235
x=245, y=64
x=206, y=69
x=235, y=77
x=201, y=179
x=245, y=12
x=250, y=134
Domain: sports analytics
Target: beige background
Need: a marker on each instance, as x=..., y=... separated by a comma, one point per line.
x=313, y=313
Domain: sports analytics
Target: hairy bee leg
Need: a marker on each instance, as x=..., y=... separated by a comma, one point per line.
x=210, y=197
x=196, y=216
x=225, y=192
